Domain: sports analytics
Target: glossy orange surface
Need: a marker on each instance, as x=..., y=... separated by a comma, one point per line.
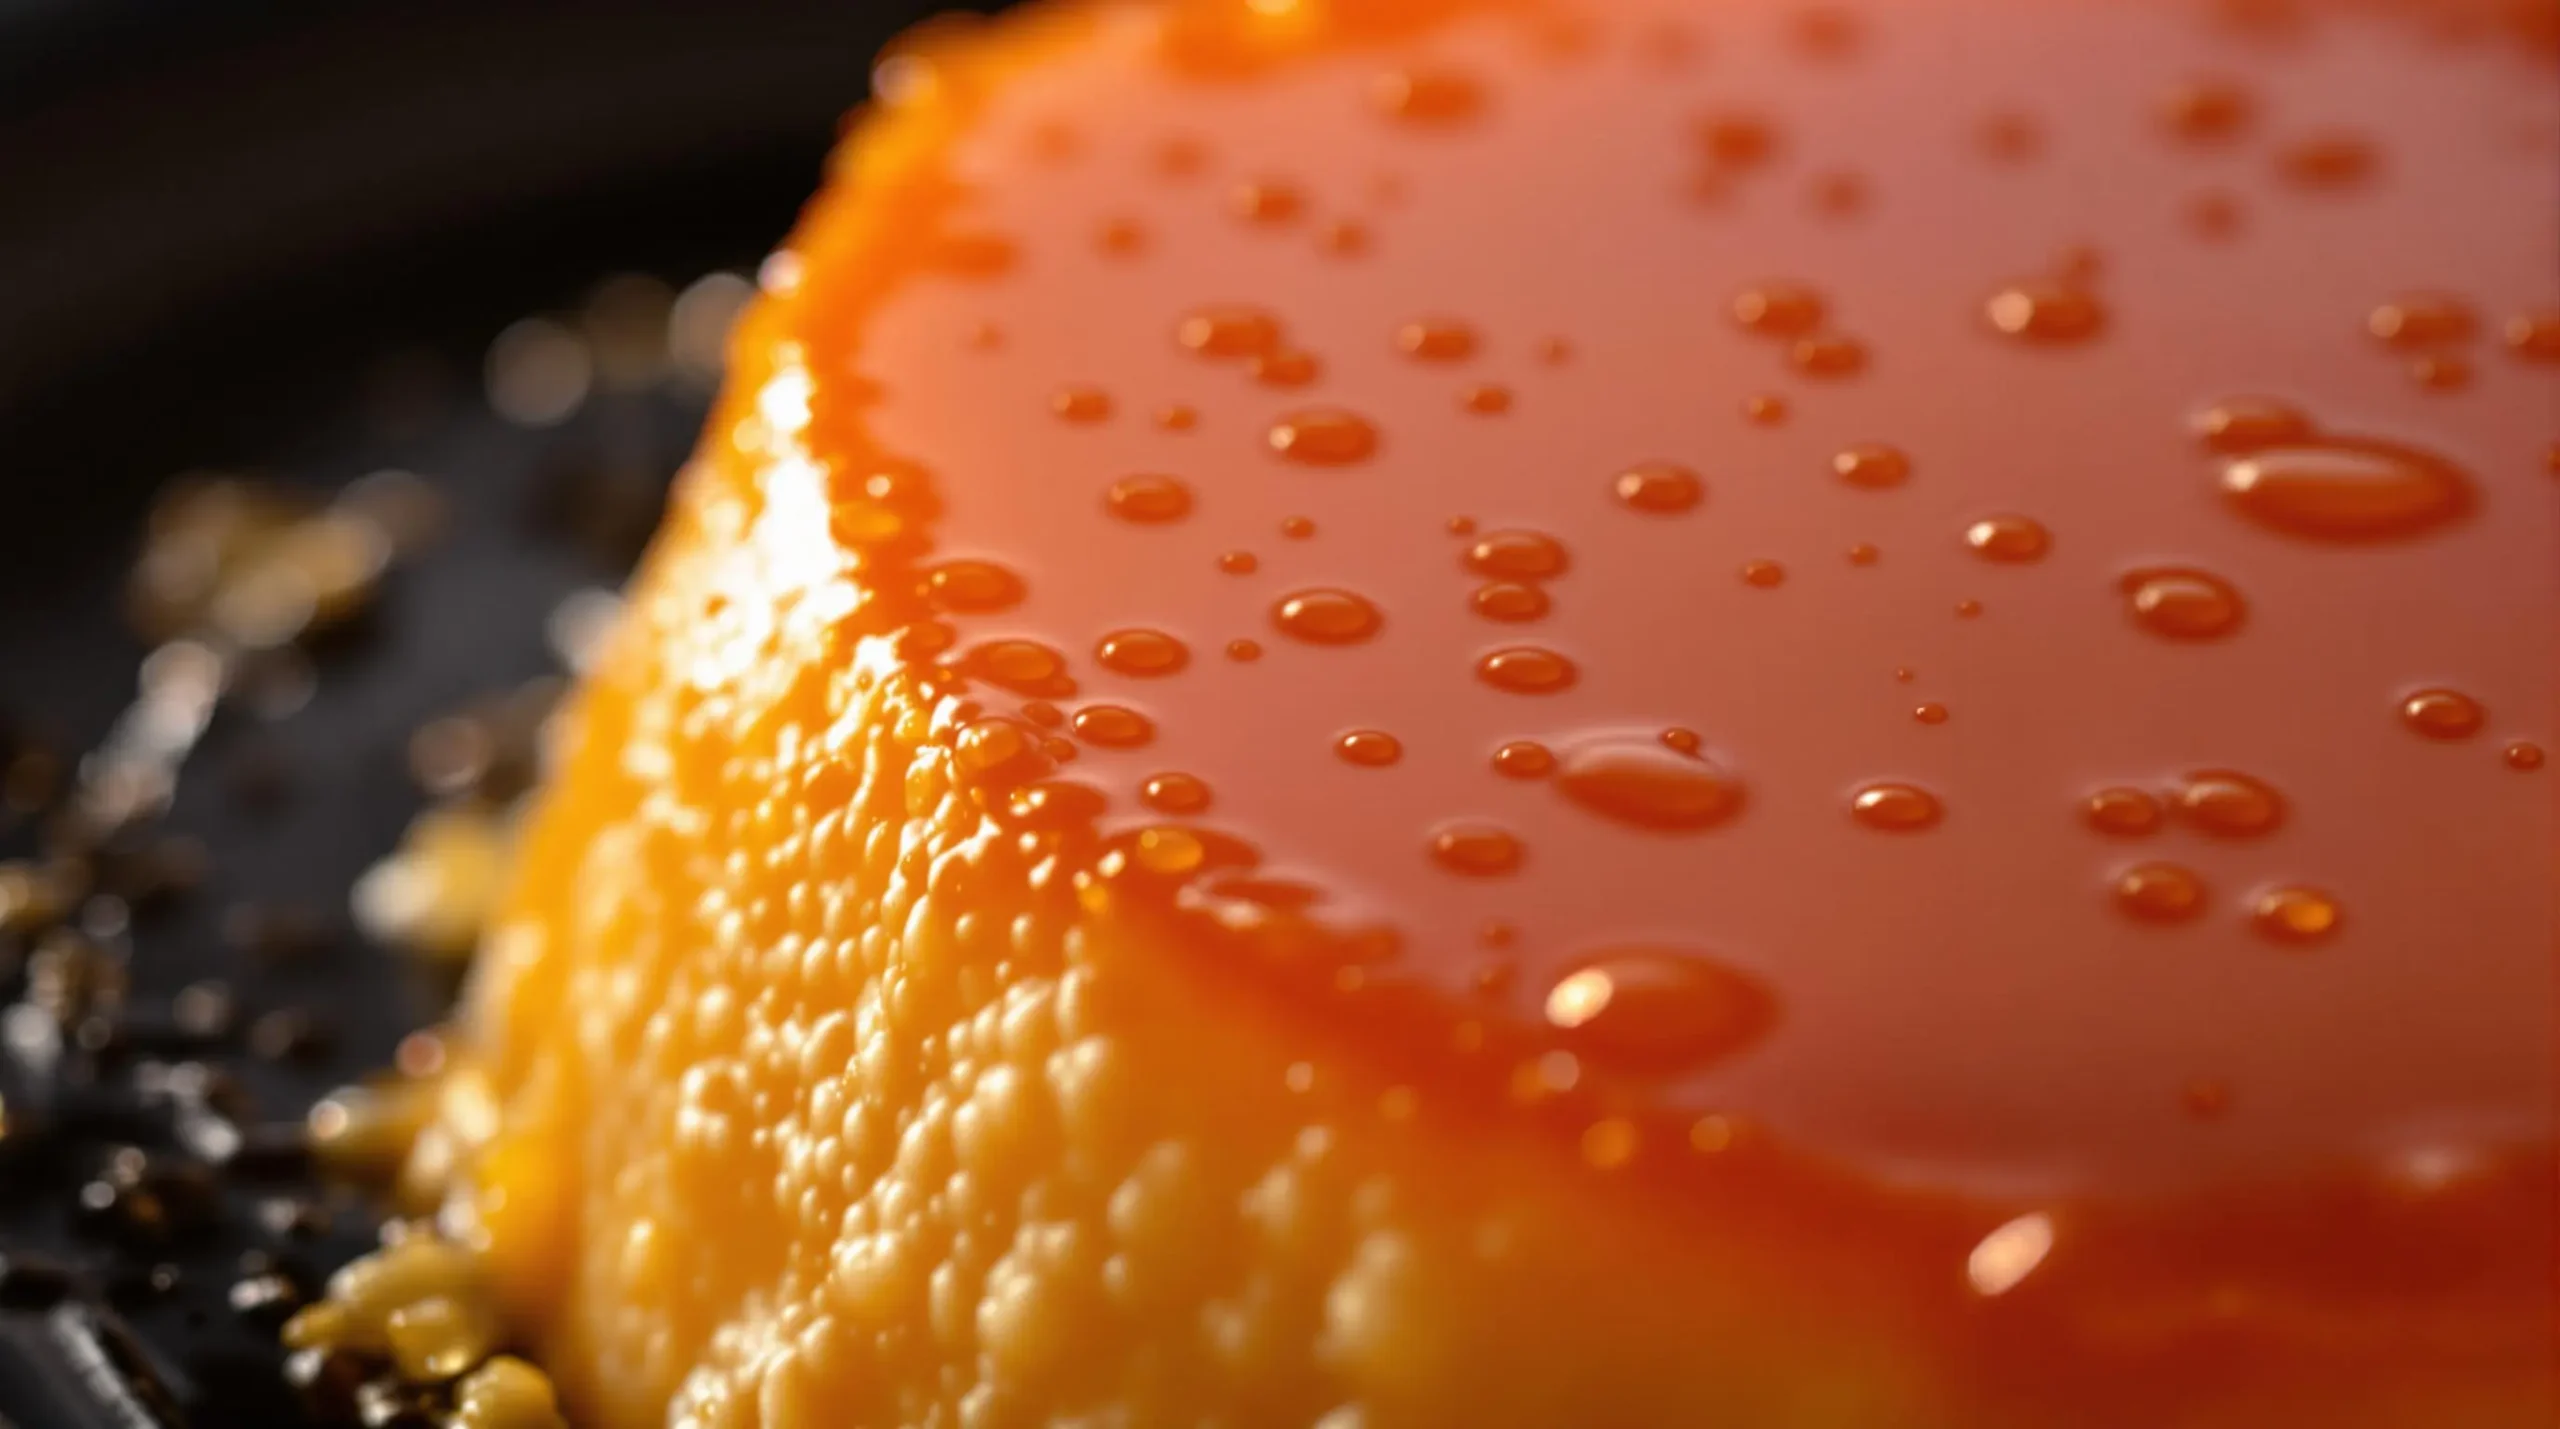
x=2110, y=906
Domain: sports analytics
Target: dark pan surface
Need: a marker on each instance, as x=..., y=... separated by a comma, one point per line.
x=278, y=240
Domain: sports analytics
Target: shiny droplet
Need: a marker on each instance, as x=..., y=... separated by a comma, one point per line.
x=1864, y=554
x=1644, y=784
x=2183, y=603
x=1148, y=500
x=1682, y=741
x=2419, y=320
x=1244, y=651
x=1968, y=609
x=1895, y=808
x=1174, y=793
x=2046, y=310
x=1229, y=332
x=989, y=747
x=1297, y=528
x=972, y=587
x=1778, y=309
x=2237, y=426
x=1827, y=355
x=2122, y=812
x=1477, y=850
x=1141, y=652
x=2159, y=893
x=2207, y=111
x=1326, y=617
x=1526, y=670
x=1765, y=575
x=1436, y=340
x=1081, y=404
x=1486, y=399
x=1112, y=726
x=1508, y=601
x=1286, y=369
x=1267, y=201
x=1872, y=465
x=1239, y=563
x=2342, y=490
x=1516, y=556
x=1931, y=713
x=1179, y=417
x=1324, y=436
x=1054, y=805
x=2008, y=538
x=1433, y=97
x=2230, y=803
x=1371, y=748
x=1659, y=487
x=1524, y=759
x=2295, y=915
x=1658, y=1010
x=2327, y=161
x=1025, y=667
x=2524, y=756
x=2443, y=714
x=1766, y=409
x=2534, y=336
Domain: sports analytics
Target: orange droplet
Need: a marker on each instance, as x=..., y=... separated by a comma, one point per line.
x=1863, y=554
x=1968, y=609
x=1766, y=575
x=2417, y=320
x=2009, y=538
x=1648, y=786
x=1427, y=96
x=2159, y=893
x=1682, y=741
x=1766, y=409
x=1659, y=487
x=2327, y=161
x=1895, y=808
x=1239, y=563
x=1477, y=850
x=1148, y=500
x=973, y=587
x=1524, y=759
x=2535, y=336
x=1324, y=436
x=1178, y=418
x=1228, y=332
x=1174, y=793
x=1286, y=369
x=1081, y=404
x=1486, y=399
x=2182, y=603
x=2443, y=714
x=2046, y=311
x=1372, y=748
x=1436, y=340
x=1827, y=355
x=2207, y=111
x=1516, y=555
x=1931, y=713
x=1121, y=238
x=2524, y=755
x=1269, y=201
x=1112, y=726
x=1025, y=667
x=1648, y=1009
x=988, y=748
x=2342, y=490
x=1872, y=465
x=1778, y=309
x=1737, y=141
x=2237, y=426
x=1141, y=652
x=1326, y=617
x=1052, y=805
x=1526, y=670
x=1244, y=651
x=2122, y=812
x=1344, y=238
x=2295, y=915
x=1297, y=528
x=1508, y=601
x=2230, y=803
x=1043, y=714
x=2441, y=372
